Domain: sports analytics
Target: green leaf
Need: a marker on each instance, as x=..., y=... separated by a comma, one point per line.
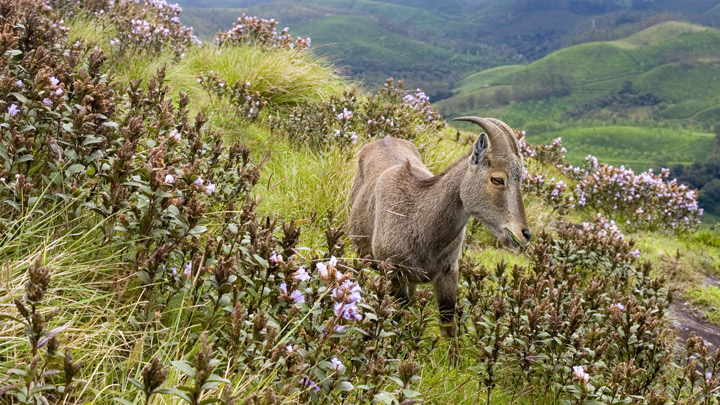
x=184, y=367
x=137, y=383
x=20, y=97
x=123, y=401
x=174, y=391
x=217, y=378
x=76, y=168
x=345, y=386
x=143, y=276
x=24, y=158
x=410, y=393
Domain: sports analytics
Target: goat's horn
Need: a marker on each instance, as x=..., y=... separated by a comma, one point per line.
x=499, y=140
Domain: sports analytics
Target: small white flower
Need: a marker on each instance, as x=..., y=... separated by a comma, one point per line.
x=19, y=84
x=210, y=188
x=333, y=261
x=289, y=348
x=337, y=364
x=54, y=81
x=276, y=258
x=580, y=373
x=188, y=270
x=620, y=306
x=174, y=135
x=322, y=270
x=169, y=179
x=59, y=92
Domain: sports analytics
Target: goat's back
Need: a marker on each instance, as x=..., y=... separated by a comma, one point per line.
x=373, y=160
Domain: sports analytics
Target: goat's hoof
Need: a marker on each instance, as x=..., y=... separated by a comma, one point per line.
x=449, y=330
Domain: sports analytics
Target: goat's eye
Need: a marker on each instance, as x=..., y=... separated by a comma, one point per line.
x=498, y=181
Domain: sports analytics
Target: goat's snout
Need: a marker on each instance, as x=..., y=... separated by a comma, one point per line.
x=526, y=233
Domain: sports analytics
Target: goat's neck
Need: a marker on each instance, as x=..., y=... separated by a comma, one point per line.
x=442, y=209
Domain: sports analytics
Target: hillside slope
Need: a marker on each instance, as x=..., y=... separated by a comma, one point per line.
x=173, y=229
x=663, y=76
x=495, y=32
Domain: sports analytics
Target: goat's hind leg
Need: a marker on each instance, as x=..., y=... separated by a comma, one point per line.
x=446, y=287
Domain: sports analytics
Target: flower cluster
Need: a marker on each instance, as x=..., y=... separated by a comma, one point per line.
x=587, y=321
x=643, y=201
x=260, y=32
x=552, y=190
x=248, y=103
x=147, y=25
x=345, y=120
x=421, y=102
x=646, y=200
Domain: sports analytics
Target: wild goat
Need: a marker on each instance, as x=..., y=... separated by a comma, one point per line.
x=403, y=214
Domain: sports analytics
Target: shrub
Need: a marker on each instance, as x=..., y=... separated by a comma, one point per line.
x=343, y=120
x=585, y=322
x=260, y=32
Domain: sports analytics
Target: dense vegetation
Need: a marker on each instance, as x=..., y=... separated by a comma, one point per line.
x=433, y=44
x=172, y=230
x=652, y=72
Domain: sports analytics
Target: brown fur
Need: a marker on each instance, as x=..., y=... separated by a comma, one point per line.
x=401, y=212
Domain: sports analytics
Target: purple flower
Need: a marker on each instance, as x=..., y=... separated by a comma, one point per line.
x=322, y=270
x=337, y=364
x=210, y=188
x=188, y=270
x=169, y=179
x=297, y=296
x=339, y=328
x=47, y=102
x=289, y=348
x=174, y=270
x=283, y=288
x=347, y=311
x=310, y=383
x=53, y=81
x=198, y=182
x=708, y=378
x=19, y=84
x=620, y=306
x=59, y=92
x=13, y=110
x=348, y=292
x=301, y=274
x=333, y=261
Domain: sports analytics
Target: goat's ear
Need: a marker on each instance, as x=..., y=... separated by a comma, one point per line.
x=479, y=149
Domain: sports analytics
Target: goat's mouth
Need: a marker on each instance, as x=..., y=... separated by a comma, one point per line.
x=511, y=240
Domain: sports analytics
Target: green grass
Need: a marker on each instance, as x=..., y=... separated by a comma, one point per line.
x=707, y=297
x=635, y=147
x=675, y=61
x=305, y=185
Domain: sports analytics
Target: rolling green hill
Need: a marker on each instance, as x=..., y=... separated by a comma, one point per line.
x=666, y=75
x=376, y=39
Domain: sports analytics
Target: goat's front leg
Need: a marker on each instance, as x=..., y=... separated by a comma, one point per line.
x=446, y=287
